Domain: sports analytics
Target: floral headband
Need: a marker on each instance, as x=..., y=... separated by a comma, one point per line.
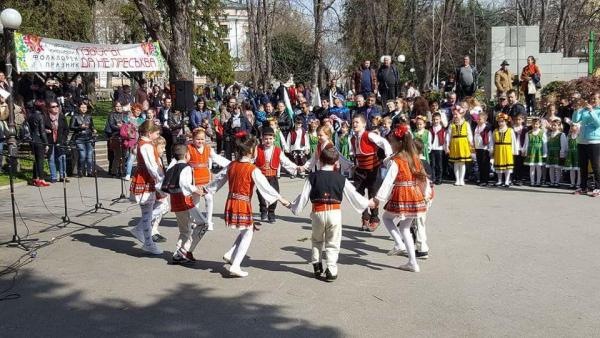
x=401, y=130
x=503, y=116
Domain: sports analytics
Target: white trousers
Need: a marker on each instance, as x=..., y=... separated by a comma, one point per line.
x=421, y=234
x=208, y=204
x=535, y=173
x=326, y=235
x=159, y=208
x=145, y=222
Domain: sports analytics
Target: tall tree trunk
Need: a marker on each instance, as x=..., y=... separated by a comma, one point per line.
x=180, y=65
x=319, y=10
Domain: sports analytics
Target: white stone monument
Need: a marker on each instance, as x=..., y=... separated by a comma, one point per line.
x=553, y=66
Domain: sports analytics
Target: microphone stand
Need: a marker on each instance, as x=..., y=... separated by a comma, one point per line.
x=66, y=220
x=16, y=241
x=121, y=163
x=98, y=204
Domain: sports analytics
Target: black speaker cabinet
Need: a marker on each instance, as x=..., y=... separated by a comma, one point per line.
x=184, y=96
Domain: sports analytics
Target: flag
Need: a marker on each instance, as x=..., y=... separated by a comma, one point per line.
x=288, y=104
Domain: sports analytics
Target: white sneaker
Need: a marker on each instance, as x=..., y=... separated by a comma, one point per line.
x=127, y=178
x=396, y=252
x=152, y=248
x=237, y=272
x=410, y=267
x=210, y=227
x=227, y=259
x=137, y=233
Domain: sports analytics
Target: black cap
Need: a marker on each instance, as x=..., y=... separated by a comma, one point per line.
x=268, y=131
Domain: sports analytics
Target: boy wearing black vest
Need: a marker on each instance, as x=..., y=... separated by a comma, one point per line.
x=269, y=158
x=298, y=143
x=179, y=183
x=326, y=188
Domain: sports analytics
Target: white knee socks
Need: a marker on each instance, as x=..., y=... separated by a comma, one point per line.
x=404, y=227
x=535, y=174
x=240, y=247
x=554, y=175
x=460, y=170
x=575, y=177
x=208, y=200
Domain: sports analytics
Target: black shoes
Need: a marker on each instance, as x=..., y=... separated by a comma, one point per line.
x=329, y=277
x=158, y=238
x=271, y=218
x=263, y=217
x=318, y=267
x=422, y=254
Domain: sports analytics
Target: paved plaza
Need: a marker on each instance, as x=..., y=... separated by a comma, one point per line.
x=518, y=262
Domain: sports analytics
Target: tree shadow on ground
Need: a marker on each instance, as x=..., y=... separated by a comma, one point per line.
x=49, y=308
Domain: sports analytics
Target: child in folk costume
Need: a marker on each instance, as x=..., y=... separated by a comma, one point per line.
x=269, y=159
x=161, y=206
x=148, y=175
x=325, y=141
x=298, y=143
x=572, y=159
x=242, y=175
x=404, y=189
x=503, y=147
x=520, y=130
x=325, y=188
x=438, y=142
x=279, y=138
x=343, y=144
x=557, y=151
x=313, y=138
x=458, y=144
x=179, y=183
x=202, y=156
x=418, y=227
x=482, y=140
x=423, y=134
x=535, y=150
x=367, y=175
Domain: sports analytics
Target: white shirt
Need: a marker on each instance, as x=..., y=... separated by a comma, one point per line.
x=268, y=193
x=214, y=158
x=186, y=178
x=166, y=118
x=298, y=144
x=479, y=142
x=385, y=191
x=435, y=140
x=314, y=164
x=357, y=201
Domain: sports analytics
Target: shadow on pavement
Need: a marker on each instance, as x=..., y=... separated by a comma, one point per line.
x=50, y=308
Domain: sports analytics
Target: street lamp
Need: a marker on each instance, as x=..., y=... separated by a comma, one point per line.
x=401, y=58
x=10, y=19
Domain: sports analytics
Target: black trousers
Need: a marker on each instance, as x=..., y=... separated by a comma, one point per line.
x=264, y=208
x=589, y=153
x=166, y=133
x=228, y=147
x=369, y=180
x=219, y=138
x=483, y=163
x=520, y=172
x=530, y=102
x=437, y=164
x=39, y=152
x=298, y=157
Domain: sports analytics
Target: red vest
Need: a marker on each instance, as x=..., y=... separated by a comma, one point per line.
x=180, y=202
x=441, y=135
x=268, y=168
x=367, y=159
x=294, y=135
x=199, y=162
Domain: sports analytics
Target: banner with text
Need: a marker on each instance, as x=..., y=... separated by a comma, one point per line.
x=38, y=54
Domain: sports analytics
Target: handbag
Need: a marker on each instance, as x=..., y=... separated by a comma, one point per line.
x=531, y=87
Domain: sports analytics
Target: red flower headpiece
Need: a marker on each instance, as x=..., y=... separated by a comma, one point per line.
x=401, y=130
x=240, y=134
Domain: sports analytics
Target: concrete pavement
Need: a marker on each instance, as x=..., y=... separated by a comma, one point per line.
x=518, y=262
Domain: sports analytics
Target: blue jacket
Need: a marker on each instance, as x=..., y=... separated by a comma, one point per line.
x=196, y=118
x=589, y=132
x=341, y=112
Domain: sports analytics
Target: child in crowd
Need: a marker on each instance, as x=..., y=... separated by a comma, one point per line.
x=482, y=139
x=148, y=175
x=572, y=159
x=313, y=138
x=549, y=116
x=423, y=134
x=161, y=206
x=557, y=151
x=438, y=142
x=270, y=158
x=201, y=159
x=261, y=115
x=325, y=188
x=375, y=124
x=418, y=227
x=344, y=145
x=243, y=176
x=298, y=144
x=386, y=126
x=328, y=123
x=503, y=148
x=520, y=130
x=208, y=130
x=367, y=174
x=179, y=183
x=279, y=139
x=534, y=148
x=403, y=189
x=458, y=144
x=325, y=141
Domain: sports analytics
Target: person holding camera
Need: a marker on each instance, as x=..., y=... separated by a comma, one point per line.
x=84, y=133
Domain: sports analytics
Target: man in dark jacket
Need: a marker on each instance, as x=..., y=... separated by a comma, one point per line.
x=466, y=79
x=237, y=122
x=164, y=114
x=364, y=80
x=388, y=80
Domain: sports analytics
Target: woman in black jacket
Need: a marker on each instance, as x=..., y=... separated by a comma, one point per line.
x=82, y=126
x=57, y=133
x=39, y=142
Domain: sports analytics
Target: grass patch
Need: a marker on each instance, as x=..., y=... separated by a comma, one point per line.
x=100, y=115
x=25, y=173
